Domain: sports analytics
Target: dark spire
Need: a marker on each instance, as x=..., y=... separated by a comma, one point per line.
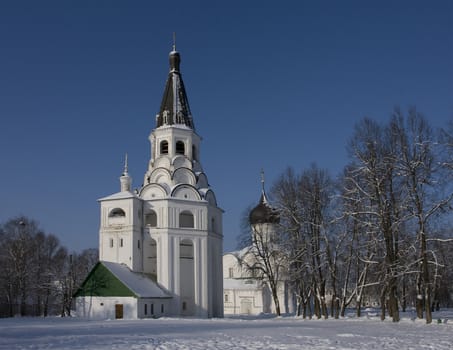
x=174, y=108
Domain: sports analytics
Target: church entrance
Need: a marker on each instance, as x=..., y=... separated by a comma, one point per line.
x=186, y=271
x=246, y=306
x=118, y=311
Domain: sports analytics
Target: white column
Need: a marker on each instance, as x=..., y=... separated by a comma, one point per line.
x=196, y=274
x=164, y=262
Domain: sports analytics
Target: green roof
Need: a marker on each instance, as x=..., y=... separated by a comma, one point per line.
x=101, y=282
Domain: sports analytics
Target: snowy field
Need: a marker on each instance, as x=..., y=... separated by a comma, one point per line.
x=229, y=333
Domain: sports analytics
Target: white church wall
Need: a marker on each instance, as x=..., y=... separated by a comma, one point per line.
x=244, y=301
x=231, y=267
x=149, y=255
x=240, y=288
x=132, y=308
x=119, y=235
x=153, y=307
x=105, y=307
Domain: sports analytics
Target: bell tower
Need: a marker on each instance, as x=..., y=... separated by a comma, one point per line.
x=182, y=224
x=170, y=229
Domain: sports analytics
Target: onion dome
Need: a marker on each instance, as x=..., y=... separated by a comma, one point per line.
x=263, y=213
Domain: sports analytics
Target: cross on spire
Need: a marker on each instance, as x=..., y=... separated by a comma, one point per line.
x=262, y=179
x=263, y=192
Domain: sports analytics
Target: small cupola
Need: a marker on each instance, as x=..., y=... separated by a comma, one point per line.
x=263, y=213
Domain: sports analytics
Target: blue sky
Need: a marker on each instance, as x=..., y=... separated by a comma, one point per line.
x=270, y=84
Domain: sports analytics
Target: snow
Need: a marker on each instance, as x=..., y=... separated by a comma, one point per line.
x=283, y=333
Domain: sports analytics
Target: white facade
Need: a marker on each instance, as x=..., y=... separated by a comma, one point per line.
x=243, y=294
x=171, y=227
x=246, y=295
x=121, y=307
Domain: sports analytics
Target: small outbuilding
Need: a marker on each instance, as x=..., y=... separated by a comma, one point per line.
x=112, y=290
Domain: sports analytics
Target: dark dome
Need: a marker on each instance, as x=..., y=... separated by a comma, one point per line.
x=263, y=213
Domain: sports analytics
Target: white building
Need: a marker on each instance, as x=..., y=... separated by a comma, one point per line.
x=244, y=291
x=160, y=247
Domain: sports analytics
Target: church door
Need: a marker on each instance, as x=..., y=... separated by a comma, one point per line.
x=119, y=311
x=246, y=306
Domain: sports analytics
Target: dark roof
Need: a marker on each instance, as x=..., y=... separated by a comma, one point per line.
x=174, y=108
x=263, y=213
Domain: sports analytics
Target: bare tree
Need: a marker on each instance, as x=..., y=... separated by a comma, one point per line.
x=422, y=174
x=286, y=192
x=46, y=251
x=303, y=203
x=74, y=268
x=372, y=149
x=360, y=246
x=264, y=258
x=16, y=252
x=35, y=270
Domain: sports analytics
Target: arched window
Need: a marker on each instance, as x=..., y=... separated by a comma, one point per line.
x=117, y=212
x=194, y=153
x=213, y=226
x=151, y=219
x=164, y=147
x=186, y=219
x=180, y=148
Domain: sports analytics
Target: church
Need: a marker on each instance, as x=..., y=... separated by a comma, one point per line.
x=246, y=288
x=160, y=246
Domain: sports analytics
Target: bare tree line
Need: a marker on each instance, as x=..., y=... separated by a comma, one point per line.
x=38, y=276
x=380, y=232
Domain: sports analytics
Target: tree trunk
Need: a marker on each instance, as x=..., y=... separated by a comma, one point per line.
x=324, y=308
x=403, y=298
x=383, y=301
x=299, y=306
x=275, y=298
x=337, y=308
x=316, y=307
x=309, y=310
x=425, y=278
x=429, y=316
x=358, y=308
x=393, y=302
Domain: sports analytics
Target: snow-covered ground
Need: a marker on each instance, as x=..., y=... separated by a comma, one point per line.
x=229, y=333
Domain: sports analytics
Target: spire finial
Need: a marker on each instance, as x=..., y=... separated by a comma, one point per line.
x=262, y=179
x=174, y=41
x=125, y=172
x=263, y=192
x=125, y=179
